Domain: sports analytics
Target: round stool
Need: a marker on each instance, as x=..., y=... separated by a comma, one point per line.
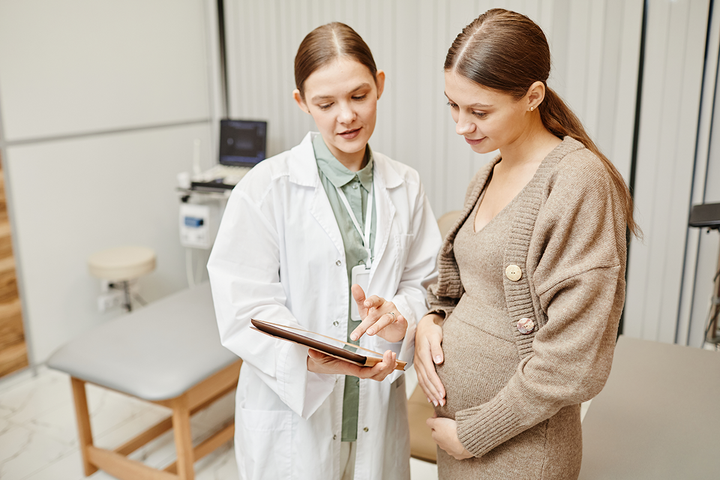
x=120, y=265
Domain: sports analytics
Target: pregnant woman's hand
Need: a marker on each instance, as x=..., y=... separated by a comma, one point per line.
x=428, y=353
x=444, y=433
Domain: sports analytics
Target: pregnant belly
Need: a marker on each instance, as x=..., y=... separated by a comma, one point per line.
x=477, y=363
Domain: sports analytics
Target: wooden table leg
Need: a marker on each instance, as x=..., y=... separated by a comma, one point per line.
x=183, y=439
x=83, y=421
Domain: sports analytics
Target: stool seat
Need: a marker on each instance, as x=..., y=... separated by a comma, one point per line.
x=122, y=263
x=154, y=353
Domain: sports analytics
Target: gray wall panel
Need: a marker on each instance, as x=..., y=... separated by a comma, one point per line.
x=101, y=103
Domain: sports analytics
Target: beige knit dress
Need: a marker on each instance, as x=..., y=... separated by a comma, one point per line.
x=516, y=397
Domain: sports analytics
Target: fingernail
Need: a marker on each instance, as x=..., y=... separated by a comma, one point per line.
x=429, y=401
x=353, y=337
x=442, y=402
x=435, y=403
x=370, y=332
x=367, y=303
x=438, y=359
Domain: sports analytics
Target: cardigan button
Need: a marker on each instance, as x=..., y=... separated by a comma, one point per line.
x=513, y=273
x=525, y=326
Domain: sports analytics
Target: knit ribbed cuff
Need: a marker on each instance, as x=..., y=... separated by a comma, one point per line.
x=441, y=311
x=482, y=428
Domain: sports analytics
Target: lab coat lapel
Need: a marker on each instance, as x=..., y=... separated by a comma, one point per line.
x=322, y=211
x=384, y=179
x=304, y=172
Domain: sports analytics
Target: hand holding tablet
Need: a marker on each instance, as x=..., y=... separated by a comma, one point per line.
x=324, y=344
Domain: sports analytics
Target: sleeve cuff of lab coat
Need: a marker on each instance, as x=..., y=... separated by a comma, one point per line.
x=299, y=389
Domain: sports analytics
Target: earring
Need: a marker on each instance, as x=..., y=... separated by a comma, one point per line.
x=532, y=108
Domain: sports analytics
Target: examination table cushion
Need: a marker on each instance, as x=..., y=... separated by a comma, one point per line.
x=154, y=353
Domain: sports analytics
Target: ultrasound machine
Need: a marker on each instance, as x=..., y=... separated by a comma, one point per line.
x=243, y=145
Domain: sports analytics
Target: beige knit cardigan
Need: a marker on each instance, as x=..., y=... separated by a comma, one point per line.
x=569, y=240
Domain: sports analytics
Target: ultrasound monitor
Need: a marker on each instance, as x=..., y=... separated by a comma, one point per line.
x=242, y=142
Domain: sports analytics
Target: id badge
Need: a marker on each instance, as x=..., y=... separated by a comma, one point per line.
x=361, y=276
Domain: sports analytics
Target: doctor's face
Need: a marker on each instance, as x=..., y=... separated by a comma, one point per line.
x=342, y=99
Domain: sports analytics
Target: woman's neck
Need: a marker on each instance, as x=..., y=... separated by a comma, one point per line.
x=530, y=148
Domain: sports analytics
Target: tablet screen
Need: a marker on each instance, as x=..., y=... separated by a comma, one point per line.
x=315, y=341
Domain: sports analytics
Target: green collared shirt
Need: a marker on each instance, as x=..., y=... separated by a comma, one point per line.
x=356, y=186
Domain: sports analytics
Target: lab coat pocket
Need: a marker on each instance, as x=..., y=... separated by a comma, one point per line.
x=266, y=442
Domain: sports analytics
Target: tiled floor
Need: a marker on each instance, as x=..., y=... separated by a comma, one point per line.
x=38, y=437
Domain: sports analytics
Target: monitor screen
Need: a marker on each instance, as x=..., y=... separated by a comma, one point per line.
x=242, y=142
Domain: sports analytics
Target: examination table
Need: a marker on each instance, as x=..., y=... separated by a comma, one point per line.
x=657, y=418
x=167, y=353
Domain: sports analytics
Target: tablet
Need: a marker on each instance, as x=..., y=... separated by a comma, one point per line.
x=323, y=344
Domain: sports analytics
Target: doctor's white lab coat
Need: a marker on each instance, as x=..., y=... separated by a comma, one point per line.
x=279, y=257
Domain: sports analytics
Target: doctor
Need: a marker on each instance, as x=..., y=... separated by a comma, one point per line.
x=298, y=231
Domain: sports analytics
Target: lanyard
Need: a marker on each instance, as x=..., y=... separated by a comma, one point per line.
x=368, y=221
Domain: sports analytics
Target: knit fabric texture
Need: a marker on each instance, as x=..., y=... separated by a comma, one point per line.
x=568, y=237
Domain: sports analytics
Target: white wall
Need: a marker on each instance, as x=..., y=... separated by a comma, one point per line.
x=595, y=48
x=670, y=112
x=702, y=247
x=100, y=103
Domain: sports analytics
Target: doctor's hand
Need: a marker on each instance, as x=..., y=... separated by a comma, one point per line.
x=380, y=317
x=444, y=433
x=428, y=353
x=320, y=363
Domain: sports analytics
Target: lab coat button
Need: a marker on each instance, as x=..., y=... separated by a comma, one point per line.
x=336, y=323
x=334, y=437
x=366, y=429
x=338, y=263
x=513, y=272
x=525, y=326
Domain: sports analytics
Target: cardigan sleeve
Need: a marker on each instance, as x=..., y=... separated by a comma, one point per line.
x=442, y=306
x=576, y=261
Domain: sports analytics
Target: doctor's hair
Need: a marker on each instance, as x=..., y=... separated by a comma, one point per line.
x=325, y=44
x=507, y=52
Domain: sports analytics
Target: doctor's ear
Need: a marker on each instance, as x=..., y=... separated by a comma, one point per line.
x=300, y=102
x=380, y=83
